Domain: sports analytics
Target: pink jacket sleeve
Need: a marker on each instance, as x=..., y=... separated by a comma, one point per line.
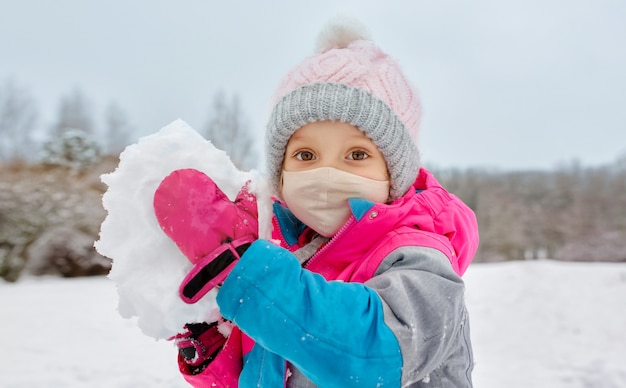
x=450, y=217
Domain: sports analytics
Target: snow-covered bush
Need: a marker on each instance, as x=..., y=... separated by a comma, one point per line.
x=74, y=148
x=607, y=246
x=65, y=251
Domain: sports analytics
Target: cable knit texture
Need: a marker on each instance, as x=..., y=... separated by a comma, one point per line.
x=353, y=82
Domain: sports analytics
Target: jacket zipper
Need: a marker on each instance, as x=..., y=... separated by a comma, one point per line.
x=331, y=242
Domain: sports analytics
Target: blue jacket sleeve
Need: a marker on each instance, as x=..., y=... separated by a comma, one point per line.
x=334, y=332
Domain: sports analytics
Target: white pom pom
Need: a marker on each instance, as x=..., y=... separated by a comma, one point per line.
x=339, y=33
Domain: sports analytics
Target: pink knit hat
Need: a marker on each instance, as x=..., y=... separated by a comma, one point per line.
x=350, y=80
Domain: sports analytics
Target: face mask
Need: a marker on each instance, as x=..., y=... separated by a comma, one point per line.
x=319, y=197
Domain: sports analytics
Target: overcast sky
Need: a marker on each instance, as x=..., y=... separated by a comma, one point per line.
x=510, y=84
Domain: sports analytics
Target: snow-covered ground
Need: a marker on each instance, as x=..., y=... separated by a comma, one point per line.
x=534, y=324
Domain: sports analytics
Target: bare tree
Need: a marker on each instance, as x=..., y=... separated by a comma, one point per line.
x=228, y=130
x=74, y=114
x=18, y=115
x=117, y=129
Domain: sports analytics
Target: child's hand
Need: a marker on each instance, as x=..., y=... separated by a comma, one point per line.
x=207, y=227
x=199, y=344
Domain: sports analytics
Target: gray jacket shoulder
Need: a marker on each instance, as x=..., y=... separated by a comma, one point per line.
x=424, y=306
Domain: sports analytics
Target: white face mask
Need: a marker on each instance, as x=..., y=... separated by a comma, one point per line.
x=319, y=197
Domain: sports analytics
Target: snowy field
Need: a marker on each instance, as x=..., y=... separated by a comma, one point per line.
x=534, y=324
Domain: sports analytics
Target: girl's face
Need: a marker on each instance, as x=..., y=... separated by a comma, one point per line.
x=335, y=144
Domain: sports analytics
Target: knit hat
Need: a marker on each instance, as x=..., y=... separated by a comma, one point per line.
x=350, y=80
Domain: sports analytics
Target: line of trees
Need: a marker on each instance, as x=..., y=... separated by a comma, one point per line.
x=571, y=213
x=226, y=126
x=22, y=138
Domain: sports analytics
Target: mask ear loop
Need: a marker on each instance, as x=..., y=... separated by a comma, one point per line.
x=281, y=179
x=281, y=182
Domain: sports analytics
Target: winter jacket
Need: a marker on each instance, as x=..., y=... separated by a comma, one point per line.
x=380, y=305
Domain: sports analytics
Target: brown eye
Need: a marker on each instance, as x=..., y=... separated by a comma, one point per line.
x=305, y=155
x=358, y=155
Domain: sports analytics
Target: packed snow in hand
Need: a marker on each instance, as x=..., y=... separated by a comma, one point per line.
x=147, y=266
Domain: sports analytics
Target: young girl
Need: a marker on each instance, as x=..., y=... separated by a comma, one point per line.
x=361, y=286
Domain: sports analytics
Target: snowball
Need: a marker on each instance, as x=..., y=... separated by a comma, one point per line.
x=147, y=266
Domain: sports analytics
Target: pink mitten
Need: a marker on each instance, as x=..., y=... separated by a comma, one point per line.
x=207, y=227
x=199, y=343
